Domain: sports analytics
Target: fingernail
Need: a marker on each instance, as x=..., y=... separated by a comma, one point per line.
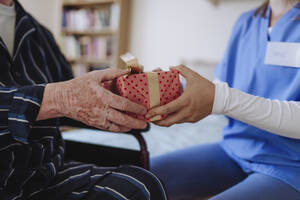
x=145, y=125
x=127, y=130
x=144, y=112
x=149, y=115
x=126, y=70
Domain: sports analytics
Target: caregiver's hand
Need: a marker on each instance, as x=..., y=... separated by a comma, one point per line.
x=85, y=100
x=194, y=104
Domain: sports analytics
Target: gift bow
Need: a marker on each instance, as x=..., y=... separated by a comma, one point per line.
x=154, y=93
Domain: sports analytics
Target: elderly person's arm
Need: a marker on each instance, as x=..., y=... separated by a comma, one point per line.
x=19, y=107
x=202, y=98
x=85, y=100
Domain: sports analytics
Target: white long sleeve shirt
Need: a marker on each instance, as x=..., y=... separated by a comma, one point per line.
x=279, y=117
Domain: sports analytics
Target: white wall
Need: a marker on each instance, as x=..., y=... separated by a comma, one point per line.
x=48, y=12
x=163, y=32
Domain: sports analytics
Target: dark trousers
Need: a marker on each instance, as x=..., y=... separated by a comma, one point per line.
x=90, y=182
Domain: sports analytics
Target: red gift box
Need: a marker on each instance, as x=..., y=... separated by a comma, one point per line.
x=150, y=89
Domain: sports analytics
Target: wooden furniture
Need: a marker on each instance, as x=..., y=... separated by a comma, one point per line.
x=118, y=34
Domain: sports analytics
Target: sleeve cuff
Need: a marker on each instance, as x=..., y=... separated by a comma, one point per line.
x=221, y=98
x=24, y=108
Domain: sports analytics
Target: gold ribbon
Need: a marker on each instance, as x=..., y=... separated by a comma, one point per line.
x=154, y=93
x=132, y=63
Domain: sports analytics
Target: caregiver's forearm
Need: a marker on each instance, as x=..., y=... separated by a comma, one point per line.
x=279, y=117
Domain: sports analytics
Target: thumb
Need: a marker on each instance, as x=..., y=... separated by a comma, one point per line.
x=111, y=74
x=183, y=70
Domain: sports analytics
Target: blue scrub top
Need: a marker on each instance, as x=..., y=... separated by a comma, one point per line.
x=243, y=68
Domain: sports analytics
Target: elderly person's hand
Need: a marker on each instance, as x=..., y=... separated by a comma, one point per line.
x=84, y=99
x=194, y=104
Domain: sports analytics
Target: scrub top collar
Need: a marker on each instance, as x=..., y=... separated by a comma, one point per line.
x=292, y=14
x=295, y=10
x=297, y=5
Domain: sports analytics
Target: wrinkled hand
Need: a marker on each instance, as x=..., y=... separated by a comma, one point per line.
x=194, y=104
x=85, y=100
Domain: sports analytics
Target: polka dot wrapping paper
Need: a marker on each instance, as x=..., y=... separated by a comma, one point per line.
x=150, y=89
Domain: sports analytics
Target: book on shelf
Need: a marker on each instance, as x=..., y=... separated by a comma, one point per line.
x=98, y=67
x=91, y=19
x=114, y=16
x=92, y=48
x=81, y=69
x=90, y=34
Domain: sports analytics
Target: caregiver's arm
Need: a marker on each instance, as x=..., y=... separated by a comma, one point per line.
x=201, y=98
x=280, y=117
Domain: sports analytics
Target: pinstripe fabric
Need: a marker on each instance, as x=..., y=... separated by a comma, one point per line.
x=32, y=153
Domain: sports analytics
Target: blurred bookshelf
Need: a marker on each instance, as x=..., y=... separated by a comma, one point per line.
x=94, y=33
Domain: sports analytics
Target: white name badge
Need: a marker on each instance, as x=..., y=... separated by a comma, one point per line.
x=283, y=54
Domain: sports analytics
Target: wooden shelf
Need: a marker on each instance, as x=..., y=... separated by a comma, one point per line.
x=84, y=3
x=119, y=34
x=90, y=33
x=90, y=61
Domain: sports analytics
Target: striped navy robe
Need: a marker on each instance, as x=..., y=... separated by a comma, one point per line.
x=32, y=153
